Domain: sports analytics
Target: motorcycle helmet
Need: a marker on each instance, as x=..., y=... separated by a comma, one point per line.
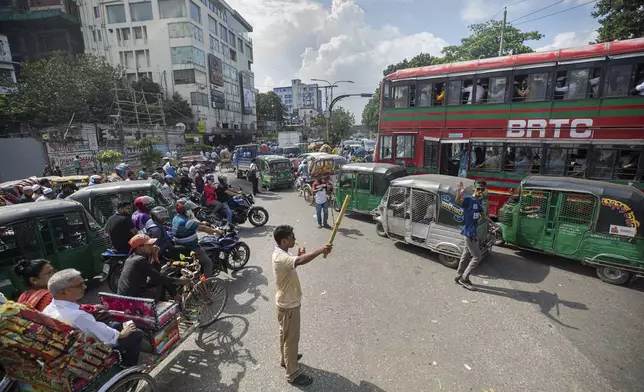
x=223, y=179
x=210, y=177
x=95, y=179
x=184, y=205
x=144, y=203
x=157, y=176
x=169, y=179
x=160, y=214
x=122, y=170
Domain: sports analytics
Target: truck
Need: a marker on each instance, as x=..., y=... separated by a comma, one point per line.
x=289, y=138
x=242, y=157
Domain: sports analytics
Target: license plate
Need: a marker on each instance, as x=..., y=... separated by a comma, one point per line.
x=106, y=269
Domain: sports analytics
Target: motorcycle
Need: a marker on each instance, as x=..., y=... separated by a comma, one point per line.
x=243, y=209
x=226, y=252
x=112, y=267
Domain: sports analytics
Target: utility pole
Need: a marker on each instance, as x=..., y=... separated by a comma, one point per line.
x=505, y=16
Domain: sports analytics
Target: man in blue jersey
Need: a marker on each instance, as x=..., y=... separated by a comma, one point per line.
x=473, y=210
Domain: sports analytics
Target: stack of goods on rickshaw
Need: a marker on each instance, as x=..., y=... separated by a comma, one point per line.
x=597, y=223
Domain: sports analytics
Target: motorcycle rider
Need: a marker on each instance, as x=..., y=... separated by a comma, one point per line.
x=210, y=194
x=166, y=188
x=224, y=193
x=185, y=230
x=155, y=228
x=120, y=173
x=141, y=216
x=198, y=179
x=95, y=179
x=185, y=183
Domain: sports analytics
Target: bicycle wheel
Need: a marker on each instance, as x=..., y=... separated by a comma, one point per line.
x=206, y=301
x=135, y=382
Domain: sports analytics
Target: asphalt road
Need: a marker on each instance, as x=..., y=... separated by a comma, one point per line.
x=379, y=316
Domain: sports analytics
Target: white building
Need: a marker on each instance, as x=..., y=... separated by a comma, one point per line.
x=302, y=101
x=198, y=48
x=7, y=70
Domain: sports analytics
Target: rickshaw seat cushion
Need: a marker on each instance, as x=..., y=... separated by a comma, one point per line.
x=145, y=312
x=48, y=354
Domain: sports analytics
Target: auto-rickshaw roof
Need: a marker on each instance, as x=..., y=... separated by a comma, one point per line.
x=273, y=158
x=434, y=183
x=379, y=168
x=601, y=188
x=16, y=212
x=111, y=187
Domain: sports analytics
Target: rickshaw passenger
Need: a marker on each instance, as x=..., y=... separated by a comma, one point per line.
x=142, y=264
x=35, y=274
x=67, y=287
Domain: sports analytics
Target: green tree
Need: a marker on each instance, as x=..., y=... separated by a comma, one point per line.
x=371, y=112
x=52, y=89
x=109, y=157
x=178, y=110
x=149, y=156
x=420, y=60
x=341, y=122
x=270, y=107
x=485, y=39
x=619, y=19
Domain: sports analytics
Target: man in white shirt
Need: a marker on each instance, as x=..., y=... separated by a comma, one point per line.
x=67, y=287
x=480, y=90
x=47, y=194
x=193, y=170
x=288, y=298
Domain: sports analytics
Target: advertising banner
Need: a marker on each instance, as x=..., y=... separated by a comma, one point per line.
x=248, y=96
x=215, y=70
x=217, y=99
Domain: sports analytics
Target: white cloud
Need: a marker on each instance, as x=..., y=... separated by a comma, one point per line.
x=302, y=39
x=569, y=40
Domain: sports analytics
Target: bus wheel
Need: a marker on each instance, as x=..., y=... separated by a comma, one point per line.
x=613, y=275
x=448, y=261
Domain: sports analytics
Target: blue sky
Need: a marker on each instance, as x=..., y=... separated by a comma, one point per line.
x=357, y=39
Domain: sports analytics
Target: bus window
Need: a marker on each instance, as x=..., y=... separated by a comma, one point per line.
x=401, y=96
x=439, y=93
x=617, y=81
x=384, y=147
x=524, y=159
x=531, y=87
x=454, y=92
x=405, y=146
x=566, y=160
x=425, y=98
x=496, y=91
x=577, y=83
x=386, y=96
x=467, y=92
x=614, y=162
x=493, y=158
x=638, y=88
x=430, y=154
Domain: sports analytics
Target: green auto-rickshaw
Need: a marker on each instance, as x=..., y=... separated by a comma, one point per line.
x=275, y=171
x=598, y=223
x=366, y=183
x=101, y=199
x=60, y=231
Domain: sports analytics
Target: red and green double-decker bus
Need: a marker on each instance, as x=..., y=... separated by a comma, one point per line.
x=575, y=112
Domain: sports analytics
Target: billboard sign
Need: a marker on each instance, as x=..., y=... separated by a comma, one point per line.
x=215, y=70
x=248, y=96
x=217, y=99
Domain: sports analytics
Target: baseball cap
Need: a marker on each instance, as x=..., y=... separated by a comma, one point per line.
x=141, y=239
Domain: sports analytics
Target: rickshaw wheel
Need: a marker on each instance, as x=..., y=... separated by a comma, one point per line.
x=206, y=301
x=135, y=382
x=380, y=230
x=448, y=261
x=308, y=194
x=613, y=275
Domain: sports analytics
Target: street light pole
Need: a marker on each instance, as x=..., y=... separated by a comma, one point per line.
x=328, y=116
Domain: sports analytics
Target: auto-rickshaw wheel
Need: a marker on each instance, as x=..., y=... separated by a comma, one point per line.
x=380, y=230
x=613, y=275
x=448, y=261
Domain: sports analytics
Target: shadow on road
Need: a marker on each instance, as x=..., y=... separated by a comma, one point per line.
x=244, y=289
x=350, y=232
x=325, y=381
x=547, y=301
x=223, y=353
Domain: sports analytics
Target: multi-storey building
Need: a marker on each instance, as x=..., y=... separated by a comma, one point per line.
x=7, y=69
x=198, y=48
x=38, y=28
x=302, y=101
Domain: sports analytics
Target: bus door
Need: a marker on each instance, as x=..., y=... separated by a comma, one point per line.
x=453, y=159
x=534, y=214
x=574, y=217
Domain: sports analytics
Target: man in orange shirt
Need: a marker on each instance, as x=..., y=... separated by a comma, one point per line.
x=288, y=299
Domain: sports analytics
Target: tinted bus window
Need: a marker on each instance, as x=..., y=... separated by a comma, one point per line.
x=425, y=97
x=523, y=158
x=384, y=149
x=401, y=94
x=614, y=162
x=531, y=87
x=617, y=81
x=405, y=146
x=566, y=160
x=492, y=160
